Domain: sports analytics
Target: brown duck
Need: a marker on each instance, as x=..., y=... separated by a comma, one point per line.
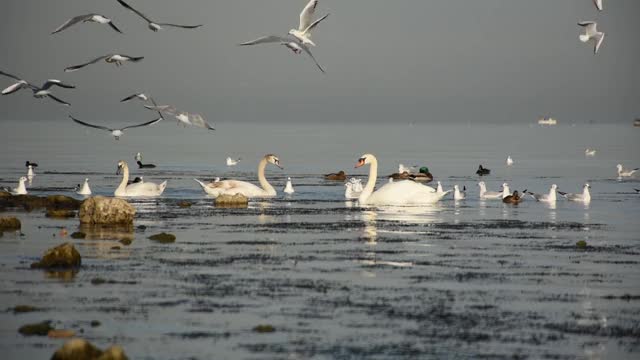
x=340, y=176
x=514, y=198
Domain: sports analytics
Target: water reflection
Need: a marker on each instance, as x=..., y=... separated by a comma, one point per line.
x=64, y=275
x=418, y=215
x=122, y=233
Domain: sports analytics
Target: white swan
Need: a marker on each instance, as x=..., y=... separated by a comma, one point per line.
x=232, y=187
x=585, y=197
x=288, y=189
x=405, y=192
x=136, y=189
x=457, y=194
x=84, y=189
x=489, y=195
x=21, y=189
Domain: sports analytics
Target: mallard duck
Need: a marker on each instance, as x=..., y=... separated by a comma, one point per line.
x=514, y=198
x=423, y=175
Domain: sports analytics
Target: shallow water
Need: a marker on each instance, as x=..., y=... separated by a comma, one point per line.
x=456, y=280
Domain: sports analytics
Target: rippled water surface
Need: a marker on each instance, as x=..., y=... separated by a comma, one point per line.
x=472, y=279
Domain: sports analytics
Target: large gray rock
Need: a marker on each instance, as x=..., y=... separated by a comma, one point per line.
x=61, y=256
x=106, y=211
x=80, y=349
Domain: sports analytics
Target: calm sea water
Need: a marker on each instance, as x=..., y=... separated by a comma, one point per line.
x=457, y=280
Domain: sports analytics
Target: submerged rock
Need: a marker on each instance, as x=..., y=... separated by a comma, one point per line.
x=60, y=214
x=24, y=309
x=9, y=223
x=31, y=202
x=61, y=256
x=80, y=349
x=78, y=235
x=61, y=334
x=184, y=204
x=62, y=202
x=164, y=238
x=264, y=329
x=106, y=210
x=581, y=244
x=237, y=200
x=37, y=329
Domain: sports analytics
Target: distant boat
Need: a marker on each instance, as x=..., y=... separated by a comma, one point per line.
x=636, y=123
x=547, y=121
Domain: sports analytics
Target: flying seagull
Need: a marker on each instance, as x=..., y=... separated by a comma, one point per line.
x=591, y=33
x=138, y=96
x=117, y=133
x=292, y=43
x=153, y=25
x=303, y=33
x=598, y=4
x=96, y=18
x=38, y=92
x=182, y=116
x=109, y=59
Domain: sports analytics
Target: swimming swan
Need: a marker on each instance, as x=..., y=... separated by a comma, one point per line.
x=232, y=187
x=84, y=189
x=136, y=189
x=405, y=192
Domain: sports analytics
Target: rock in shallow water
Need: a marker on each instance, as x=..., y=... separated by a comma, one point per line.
x=76, y=349
x=164, y=238
x=9, y=223
x=60, y=214
x=37, y=329
x=106, y=211
x=236, y=201
x=61, y=256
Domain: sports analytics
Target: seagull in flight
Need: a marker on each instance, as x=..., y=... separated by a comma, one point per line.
x=303, y=32
x=96, y=18
x=138, y=96
x=591, y=33
x=117, y=133
x=117, y=59
x=182, y=116
x=598, y=4
x=38, y=92
x=291, y=43
x=153, y=25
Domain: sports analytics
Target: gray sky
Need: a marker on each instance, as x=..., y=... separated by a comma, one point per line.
x=387, y=61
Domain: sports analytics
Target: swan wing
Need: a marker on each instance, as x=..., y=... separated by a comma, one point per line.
x=404, y=193
x=145, y=189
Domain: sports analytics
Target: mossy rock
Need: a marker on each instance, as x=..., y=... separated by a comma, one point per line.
x=61, y=256
x=81, y=349
x=62, y=202
x=126, y=241
x=232, y=201
x=78, y=235
x=19, y=309
x=95, y=323
x=37, y=329
x=164, y=238
x=581, y=244
x=10, y=223
x=60, y=213
x=264, y=329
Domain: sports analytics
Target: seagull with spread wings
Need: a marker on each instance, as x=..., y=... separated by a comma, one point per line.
x=38, y=92
x=153, y=25
x=117, y=59
x=591, y=33
x=183, y=117
x=137, y=96
x=96, y=18
x=117, y=133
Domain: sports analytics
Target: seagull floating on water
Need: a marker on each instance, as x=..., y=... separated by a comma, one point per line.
x=288, y=188
x=30, y=173
x=38, y=92
x=509, y=160
x=84, y=189
x=590, y=152
x=138, y=96
x=96, y=18
x=490, y=195
x=232, y=162
x=21, y=189
x=550, y=197
x=457, y=194
x=117, y=59
x=153, y=25
x=622, y=172
x=585, y=197
x=591, y=33
x=117, y=133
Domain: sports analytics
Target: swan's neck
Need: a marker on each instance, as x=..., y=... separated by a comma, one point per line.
x=263, y=180
x=371, y=183
x=125, y=178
